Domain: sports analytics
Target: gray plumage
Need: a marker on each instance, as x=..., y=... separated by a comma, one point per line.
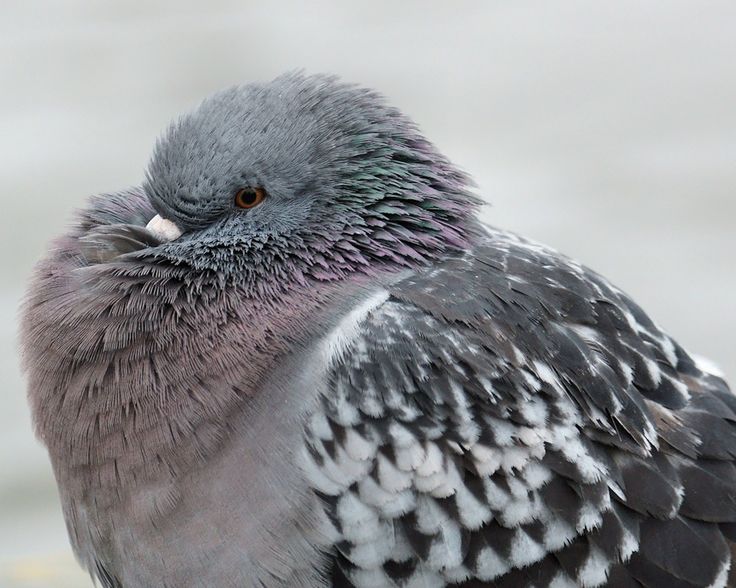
x=355, y=383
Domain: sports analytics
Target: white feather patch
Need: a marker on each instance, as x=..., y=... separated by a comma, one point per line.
x=708, y=366
x=490, y=565
x=722, y=577
x=446, y=551
x=594, y=572
x=339, y=339
x=524, y=550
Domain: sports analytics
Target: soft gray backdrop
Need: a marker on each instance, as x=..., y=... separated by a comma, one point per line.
x=607, y=130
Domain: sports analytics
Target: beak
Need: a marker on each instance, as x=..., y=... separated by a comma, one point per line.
x=164, y=230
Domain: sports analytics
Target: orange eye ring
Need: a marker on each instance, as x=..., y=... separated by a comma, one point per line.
x=249, y=197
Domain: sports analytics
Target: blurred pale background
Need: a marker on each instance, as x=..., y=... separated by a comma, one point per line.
x=606, y=129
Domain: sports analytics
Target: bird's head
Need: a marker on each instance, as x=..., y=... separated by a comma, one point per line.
x=304, y=175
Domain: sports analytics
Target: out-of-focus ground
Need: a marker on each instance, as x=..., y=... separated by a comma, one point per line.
x=607, y=130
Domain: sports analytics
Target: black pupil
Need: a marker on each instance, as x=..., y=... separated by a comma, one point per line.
x=248, y=196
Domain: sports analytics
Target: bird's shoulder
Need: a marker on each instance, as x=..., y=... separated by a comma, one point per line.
x=510, y=414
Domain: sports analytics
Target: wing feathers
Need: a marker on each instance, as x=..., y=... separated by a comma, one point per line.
x=509, y=418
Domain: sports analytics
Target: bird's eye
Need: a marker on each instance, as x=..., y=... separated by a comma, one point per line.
x=249, y=197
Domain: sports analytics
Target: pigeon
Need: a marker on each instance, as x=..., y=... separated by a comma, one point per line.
x=294, y=356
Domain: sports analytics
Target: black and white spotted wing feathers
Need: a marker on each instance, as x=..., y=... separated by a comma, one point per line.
x=508, y=418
